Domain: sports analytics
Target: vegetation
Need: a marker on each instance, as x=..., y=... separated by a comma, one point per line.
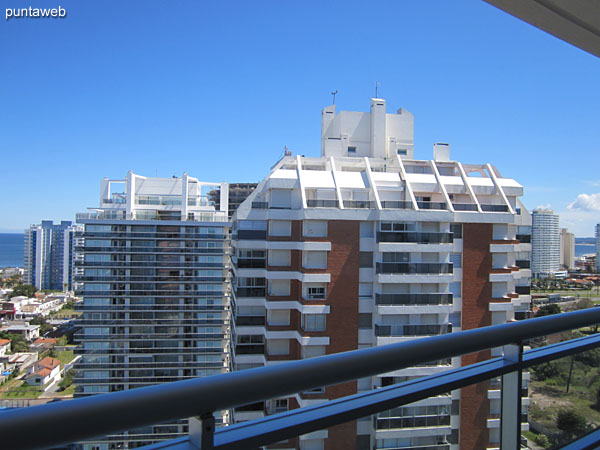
x=543, y=441
x=22, y=391
x=65, y=356
x=17, y=342
x=23, y=289
x=547, y=310
x=67, y=381
x=571, y=422
x=45, y=327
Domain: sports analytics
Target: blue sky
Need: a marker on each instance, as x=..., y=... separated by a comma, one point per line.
x=217, y=89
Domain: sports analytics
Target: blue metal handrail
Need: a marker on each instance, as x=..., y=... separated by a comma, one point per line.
x=64, y=422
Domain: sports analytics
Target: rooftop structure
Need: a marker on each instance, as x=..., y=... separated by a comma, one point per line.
x=366, y=246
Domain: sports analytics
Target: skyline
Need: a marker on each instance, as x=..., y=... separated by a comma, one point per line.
x=218, y=90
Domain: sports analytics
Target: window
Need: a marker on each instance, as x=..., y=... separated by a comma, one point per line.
x=252, y=225
x=314, y=259
x=365, y=320
x=395, y=257
x=402, y=151
x=456, y=228
x=397, y=226
x=315, y=291
x=365, y=259
x=456, y=288
x=314, y=322
x=310, y=351
x=279, y=287
x=280, y=258
x=278, y=346
x=366, y=229
x=280, y=228
x=365, y=290
x=281, y=199
x=279, y=317
x=278, y=405
x=352, y=150
x=316, y=228
x=456, y=260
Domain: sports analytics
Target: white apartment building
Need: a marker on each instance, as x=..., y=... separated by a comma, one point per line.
x=154, y=274
x=545, y=243
x=597, y=242
x=366, y=246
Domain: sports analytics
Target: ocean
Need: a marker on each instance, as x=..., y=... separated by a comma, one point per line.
x=584, y=249
x=11, y=249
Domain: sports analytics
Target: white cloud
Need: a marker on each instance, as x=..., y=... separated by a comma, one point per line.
x=585, y=202
x=579, y=221
x=548, y=206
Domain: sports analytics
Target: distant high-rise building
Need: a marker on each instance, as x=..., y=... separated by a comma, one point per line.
x=567, y=249
x=238, y=192
x=367, y=246
x=545, y=243
x=597, y=241
x=153, y=272
x=48, y=257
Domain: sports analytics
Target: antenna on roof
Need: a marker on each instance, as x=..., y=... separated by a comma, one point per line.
x=333, y=93
x=287, y=152
x=377, y=89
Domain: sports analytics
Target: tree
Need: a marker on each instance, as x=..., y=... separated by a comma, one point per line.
x=18, y=343
x=548, y=310
x=45, y=327
x=67, y=380
x=543, y=441
x=571, y=422
x=584, y=303
x=26, y=290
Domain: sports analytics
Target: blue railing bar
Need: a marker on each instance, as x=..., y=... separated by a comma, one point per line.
x=182, y=443
x=285, y=425
x=275, y=428
x=586, y=442
x=98, y=415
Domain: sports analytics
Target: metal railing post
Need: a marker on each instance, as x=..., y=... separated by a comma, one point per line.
x=208, y=431
x=510, y=417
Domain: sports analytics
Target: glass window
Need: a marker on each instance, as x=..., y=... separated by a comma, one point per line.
x=314, y=322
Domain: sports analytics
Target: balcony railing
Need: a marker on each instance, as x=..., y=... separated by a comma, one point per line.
x=431, y=205
x=249, y=320
x=464, y=206
x=56, y=424
x=387, y=423
x=494, y=208
x=251, y=291
x=417, y=237
x=523, y=263
x=260, y=205
x=414, y=268
x=393, y=204
x=412, y=330
x=524, y=238
x=413, y=299
x=256, y=263
x=360, y=204
x=322, y=203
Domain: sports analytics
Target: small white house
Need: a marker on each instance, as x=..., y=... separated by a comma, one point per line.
x=43, y=373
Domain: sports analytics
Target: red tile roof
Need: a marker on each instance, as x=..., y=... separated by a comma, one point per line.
x=4, y=342
x=49, y=363
x=45, y=341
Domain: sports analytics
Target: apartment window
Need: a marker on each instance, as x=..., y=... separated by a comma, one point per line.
x=365, y=290
x=402, y=151
x=456, y=289
x=395, y=257
x=314, y=322
x=365, y=259
x=279, y=405
x=252, y=225
x=278, y=346
x=279, y=317
x=281, y=198
x=456, y=260
x=280, y=258
x=310, y=351
x=365, y=320
x=279, y=287
x=456, y=228
x=315, y=228
x=351, y=150
x=315, y=291
x=397, y=226
x=280, y=228
x=314, y=259
x=366, y=229
x=312, y=444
